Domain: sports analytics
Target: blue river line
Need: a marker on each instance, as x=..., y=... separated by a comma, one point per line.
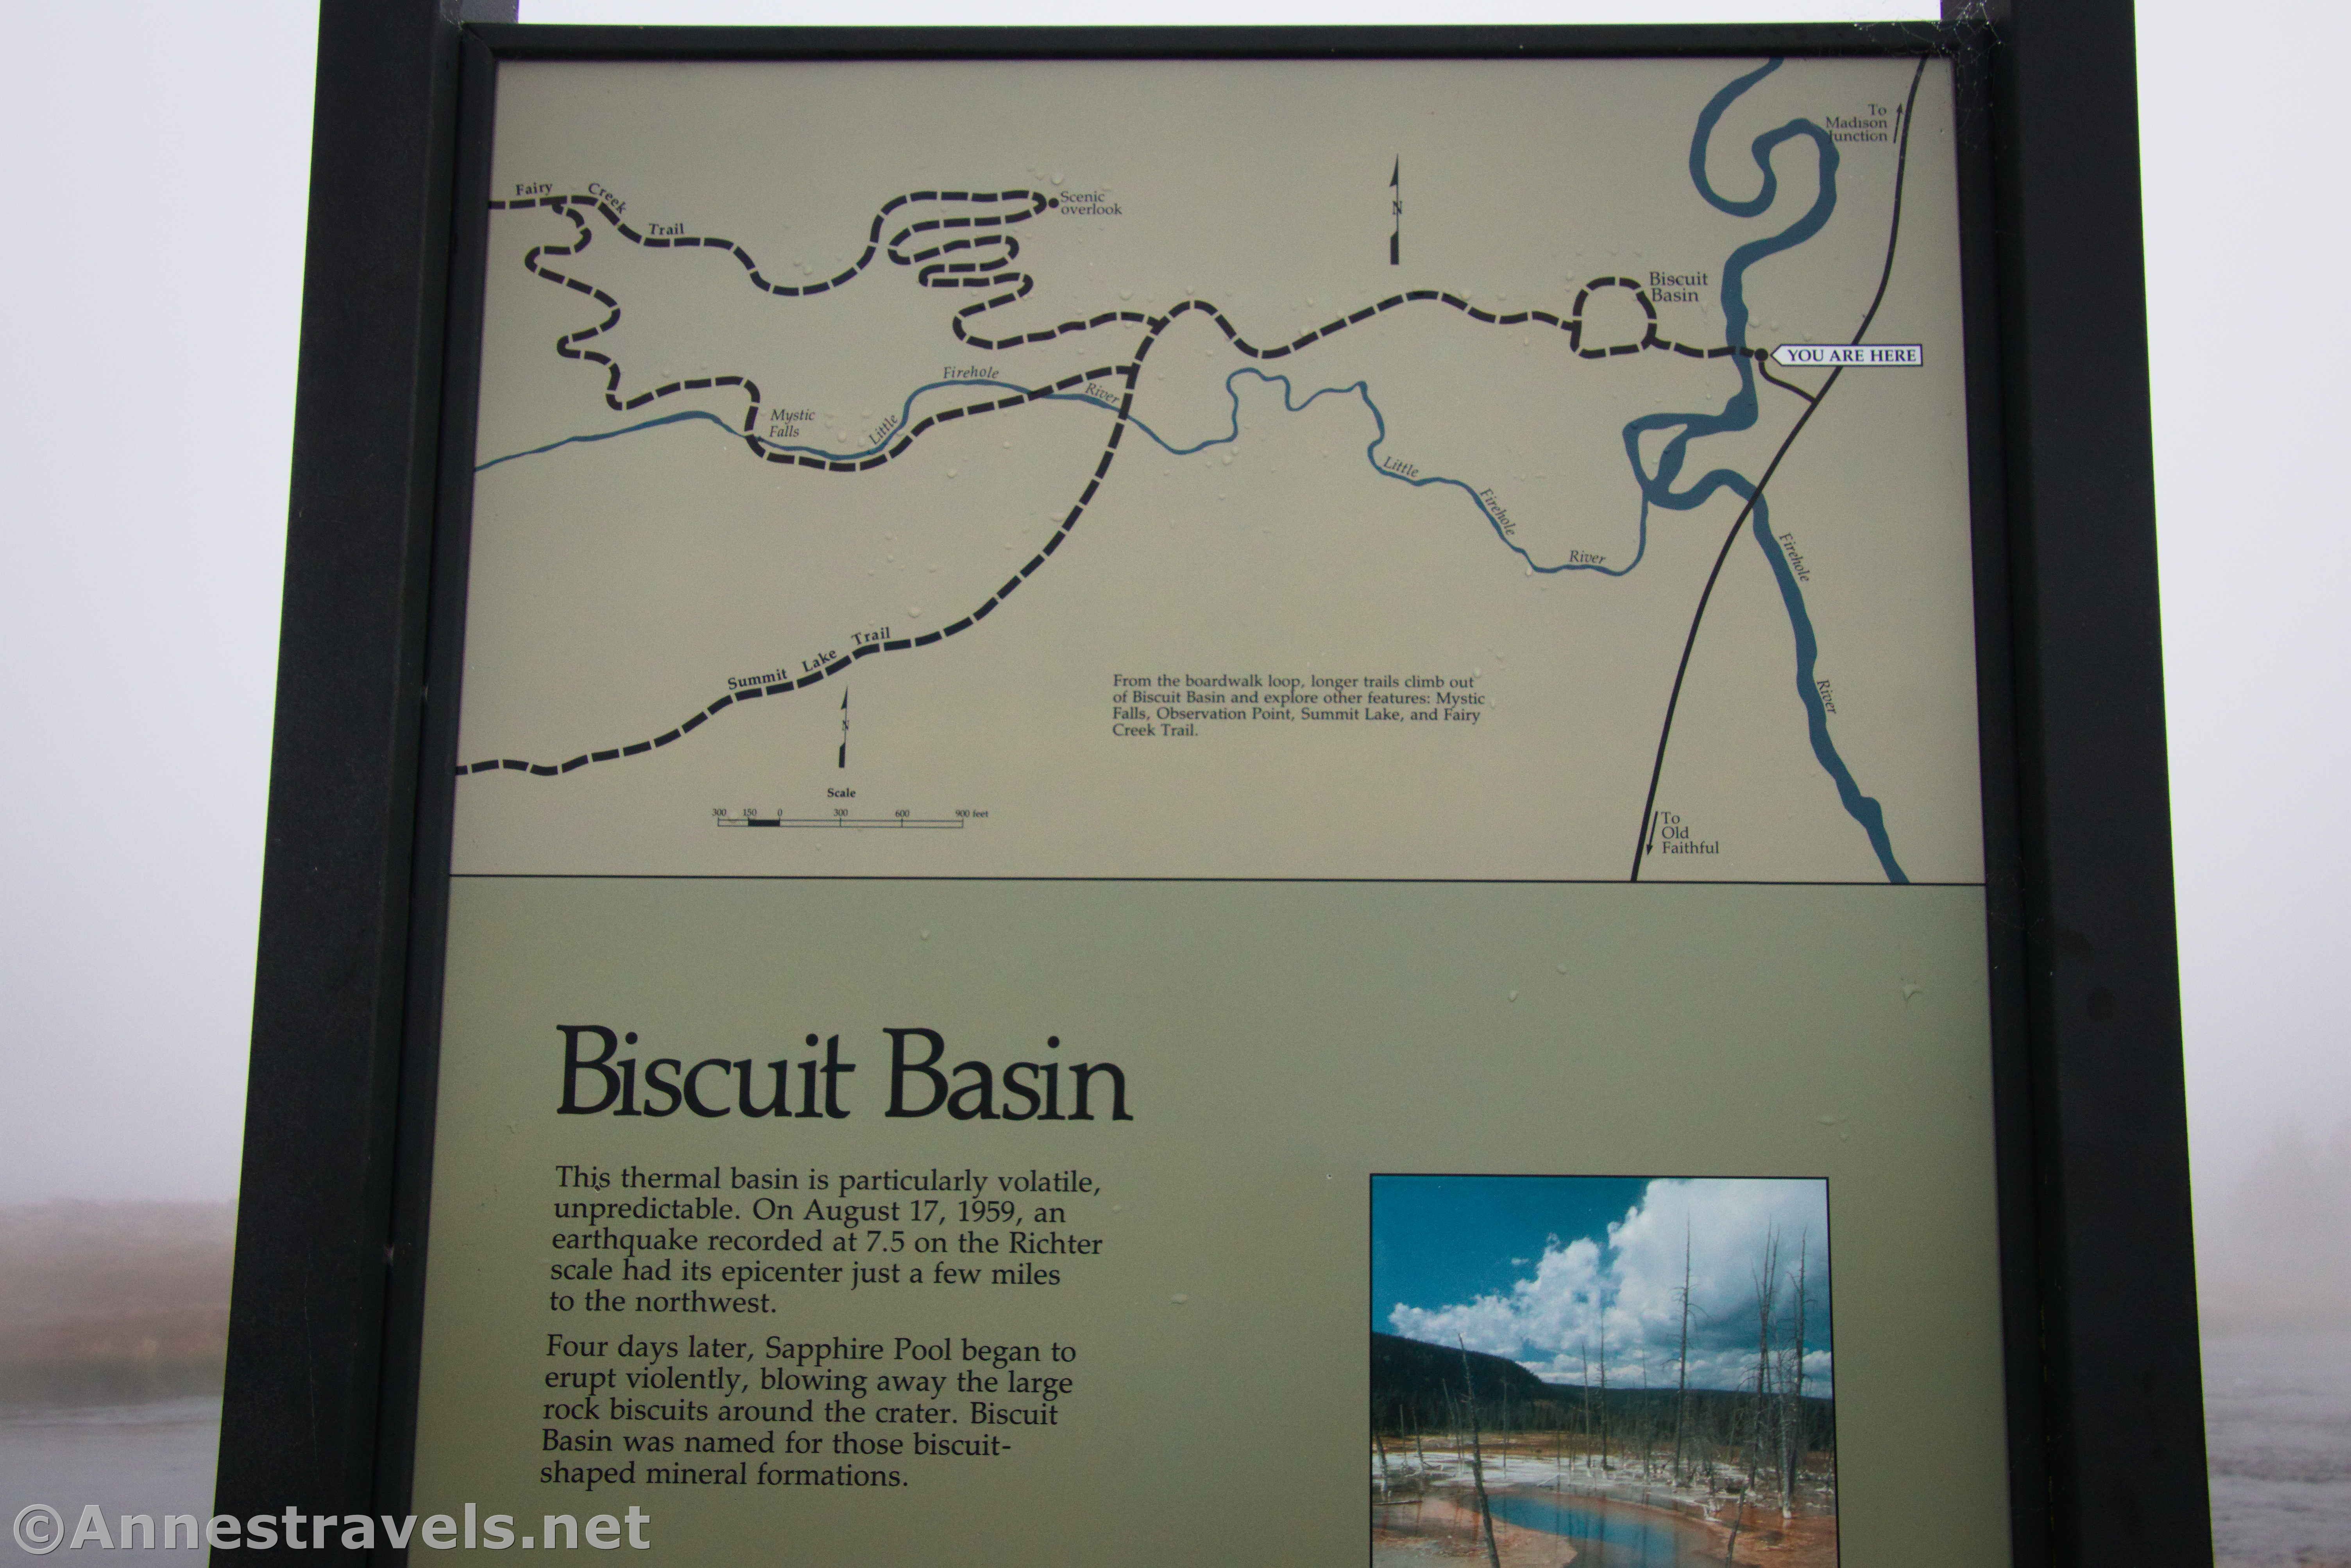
x=1657, y=489
x=1361, y=390
x=1740, y=413
x=608, y=434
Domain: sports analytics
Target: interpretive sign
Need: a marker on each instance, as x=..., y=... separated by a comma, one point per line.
x=1046, y=694
x=1231, y=804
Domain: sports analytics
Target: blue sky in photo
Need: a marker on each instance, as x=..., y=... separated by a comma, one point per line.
x=1440, y=1239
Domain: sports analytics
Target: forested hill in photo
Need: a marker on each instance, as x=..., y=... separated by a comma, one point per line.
x=1417, y=1388
x=1410, y=1373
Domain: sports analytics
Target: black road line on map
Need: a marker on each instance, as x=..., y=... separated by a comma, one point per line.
x=1884, y=275
x=1764, y=369
x=933, y=272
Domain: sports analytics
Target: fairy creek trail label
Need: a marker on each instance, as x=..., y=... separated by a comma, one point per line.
x=1177, y=707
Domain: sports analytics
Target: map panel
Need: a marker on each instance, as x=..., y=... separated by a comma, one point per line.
x=1525, y=470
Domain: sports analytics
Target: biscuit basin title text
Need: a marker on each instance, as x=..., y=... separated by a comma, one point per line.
x=598, y=1080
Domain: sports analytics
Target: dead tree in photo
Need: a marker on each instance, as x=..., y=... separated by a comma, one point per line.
x=1767, y=1291
x=1603, y=1388
x=1478, y=1458
x=1791, y=1388
x=1644, y=1426
x=1584, y=1355
x=1681, y=1373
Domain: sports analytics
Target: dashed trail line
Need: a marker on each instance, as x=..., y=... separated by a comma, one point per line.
x=990, y=270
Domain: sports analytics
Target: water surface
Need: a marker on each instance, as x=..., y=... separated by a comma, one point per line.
x=1607, y=1535
x=2277, y=1434
x=127, y=1458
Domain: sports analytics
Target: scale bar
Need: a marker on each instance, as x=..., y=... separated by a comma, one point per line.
x=932, y=822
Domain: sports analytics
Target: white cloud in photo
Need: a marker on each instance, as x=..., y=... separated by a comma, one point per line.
x=1625, y=1289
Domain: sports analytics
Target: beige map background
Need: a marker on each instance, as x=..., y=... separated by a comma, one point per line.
x=617, y=584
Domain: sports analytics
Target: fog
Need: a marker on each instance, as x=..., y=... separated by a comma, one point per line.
x=2235, y=138
x=148, y=300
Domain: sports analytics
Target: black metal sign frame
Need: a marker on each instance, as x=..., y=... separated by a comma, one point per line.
x=2105, y=1412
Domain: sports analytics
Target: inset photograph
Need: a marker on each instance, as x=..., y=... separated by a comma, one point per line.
x=1616, y=1371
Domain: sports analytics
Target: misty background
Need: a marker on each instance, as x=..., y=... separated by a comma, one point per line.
x=148, y=311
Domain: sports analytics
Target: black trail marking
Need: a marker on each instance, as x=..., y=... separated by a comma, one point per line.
x=990, y=271
x=1395, y=203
